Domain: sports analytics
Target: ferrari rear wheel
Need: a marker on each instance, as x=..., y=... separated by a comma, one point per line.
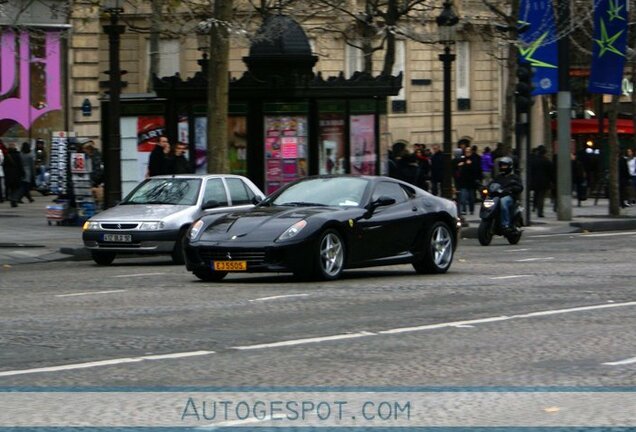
x=437, y=255
x=209, y=275
x=331, y=254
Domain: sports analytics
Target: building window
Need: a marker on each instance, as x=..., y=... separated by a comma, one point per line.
x=353, y=60
x=398, y=103
x=462, y=75
x=169, y=57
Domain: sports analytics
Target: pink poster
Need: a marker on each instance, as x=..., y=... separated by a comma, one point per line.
x=290, y=147
x=274, y=171
x=362, y=138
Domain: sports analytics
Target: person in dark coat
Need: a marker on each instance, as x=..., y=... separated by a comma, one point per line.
x=159, y=158
x=178, y=163
x=623, y=181
x=467, y=175
x=28, y=166
x=437, y=170
x=13, y=173
x=541, y=172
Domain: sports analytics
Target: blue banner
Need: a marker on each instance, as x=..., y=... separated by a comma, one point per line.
x=610, y=42
x=539, y=44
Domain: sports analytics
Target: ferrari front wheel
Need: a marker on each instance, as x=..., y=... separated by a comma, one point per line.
x=209, y=275
x=331, y=255
x=437, y=254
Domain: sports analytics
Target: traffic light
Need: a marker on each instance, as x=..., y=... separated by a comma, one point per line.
x=523, y=91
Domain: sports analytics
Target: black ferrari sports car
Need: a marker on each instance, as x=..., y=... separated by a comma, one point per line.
x=318, y=226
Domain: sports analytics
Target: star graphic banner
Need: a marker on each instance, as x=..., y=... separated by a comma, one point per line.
x=610, y=43
x=539, y=44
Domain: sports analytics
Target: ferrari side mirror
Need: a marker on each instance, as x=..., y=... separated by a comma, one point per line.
x=382, y=201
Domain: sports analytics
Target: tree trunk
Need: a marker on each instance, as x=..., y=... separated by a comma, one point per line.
x=218, y=88
x=390, y=21
x=614, y=153
x=155, y=33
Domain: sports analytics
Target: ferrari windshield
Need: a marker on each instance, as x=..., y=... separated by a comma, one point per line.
x=326, y=191
x=175, y=191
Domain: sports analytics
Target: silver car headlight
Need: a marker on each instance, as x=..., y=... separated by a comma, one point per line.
x=195, y=229
x=151, y=226
x=90, y=226
x=293, y=230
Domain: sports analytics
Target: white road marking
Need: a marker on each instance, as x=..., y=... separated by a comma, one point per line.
x=518, y=250
x=510, y=277
x=138, y=275
x=621, y=362
x=101, y=363
x=295, y=342
x=304, y=341
x=278, y=297
x=89, y=293
x=231, y=423
x=535, y=259
x=612, y=234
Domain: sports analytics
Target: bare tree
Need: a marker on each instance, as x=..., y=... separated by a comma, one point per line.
x=218, y=87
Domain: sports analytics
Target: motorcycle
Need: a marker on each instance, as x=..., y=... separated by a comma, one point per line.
x=490, y=215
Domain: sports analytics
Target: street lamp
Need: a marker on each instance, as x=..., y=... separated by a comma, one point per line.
x=446, y=22
x=112, y=153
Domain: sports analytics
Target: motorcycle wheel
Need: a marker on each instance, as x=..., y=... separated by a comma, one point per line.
x=514, y=238
x=484, y=232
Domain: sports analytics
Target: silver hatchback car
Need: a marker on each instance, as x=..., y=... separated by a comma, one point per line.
x=155, y=216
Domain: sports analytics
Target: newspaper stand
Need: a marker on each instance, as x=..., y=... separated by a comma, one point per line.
x=71, y=181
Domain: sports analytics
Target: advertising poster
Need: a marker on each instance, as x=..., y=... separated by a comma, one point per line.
x=237, y=141
x=332, y=144
x=200, y=144
x=285, y=150
x=362, y=139
x=149, y=129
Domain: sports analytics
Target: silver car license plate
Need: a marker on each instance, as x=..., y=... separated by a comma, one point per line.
x=120, y=238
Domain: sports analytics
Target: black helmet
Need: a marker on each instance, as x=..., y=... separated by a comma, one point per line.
x=505, y=165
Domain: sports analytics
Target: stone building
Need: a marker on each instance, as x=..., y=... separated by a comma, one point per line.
x=415, y=115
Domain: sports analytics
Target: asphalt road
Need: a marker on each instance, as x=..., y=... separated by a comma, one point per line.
x=555, y=310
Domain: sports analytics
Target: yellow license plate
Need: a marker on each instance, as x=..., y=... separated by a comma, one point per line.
x=230, y=265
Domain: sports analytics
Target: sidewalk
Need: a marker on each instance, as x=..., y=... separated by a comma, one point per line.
x=26, y=237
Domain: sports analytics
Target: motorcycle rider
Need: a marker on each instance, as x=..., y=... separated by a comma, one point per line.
x=512, y=186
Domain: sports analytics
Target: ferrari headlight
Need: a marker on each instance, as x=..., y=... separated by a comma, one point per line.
x=151, y=226
x=293, y=230
x=489, y=203
x=89, y=226
x=195, y=229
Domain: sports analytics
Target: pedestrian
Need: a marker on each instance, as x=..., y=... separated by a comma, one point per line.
x=3, y=152
x=40, y=164
x=486, y=165
x=466, y=179
x=579, y=178
x=28, y=168
x=631, y=166
x=624, y=180
x=437, y=170
x=97, y=172
x=178, y=163
x=540, y=172
x=424, y=167
x=13, y=173
x=159, y=158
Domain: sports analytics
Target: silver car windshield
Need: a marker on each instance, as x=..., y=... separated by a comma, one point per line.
x=175, y=191
x=327, y=191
